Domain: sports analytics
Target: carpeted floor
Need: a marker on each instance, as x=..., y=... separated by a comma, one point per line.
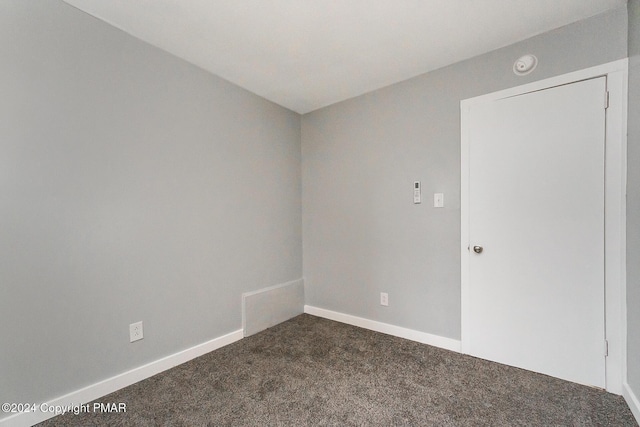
x=314, y=372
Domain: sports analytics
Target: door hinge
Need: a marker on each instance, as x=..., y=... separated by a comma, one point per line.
x=606, y=348
x=606, y=100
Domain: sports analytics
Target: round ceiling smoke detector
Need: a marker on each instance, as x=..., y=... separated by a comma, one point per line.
x=525, y=64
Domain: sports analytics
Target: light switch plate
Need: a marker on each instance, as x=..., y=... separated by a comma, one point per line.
x=438, y=200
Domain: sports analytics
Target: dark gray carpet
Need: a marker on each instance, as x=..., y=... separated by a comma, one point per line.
x=315, y=372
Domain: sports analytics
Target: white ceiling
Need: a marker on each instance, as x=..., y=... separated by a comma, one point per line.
x=306, y=54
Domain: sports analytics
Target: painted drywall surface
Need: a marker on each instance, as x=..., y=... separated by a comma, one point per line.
x=134, y=186
x=633, y=201
x=362, y=234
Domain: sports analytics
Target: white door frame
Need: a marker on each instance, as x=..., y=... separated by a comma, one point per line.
x=615, y=207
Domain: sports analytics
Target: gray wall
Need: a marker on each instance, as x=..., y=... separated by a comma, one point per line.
x=134, y=186
x=361, y=232
x=633, y=201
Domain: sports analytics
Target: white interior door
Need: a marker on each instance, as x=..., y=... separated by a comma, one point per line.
x=536, y=207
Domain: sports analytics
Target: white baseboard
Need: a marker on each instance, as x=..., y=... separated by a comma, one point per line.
x=632, y=401
x=385, y=328
x=102, y=388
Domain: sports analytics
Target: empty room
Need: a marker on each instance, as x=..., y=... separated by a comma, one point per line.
x=328, y=212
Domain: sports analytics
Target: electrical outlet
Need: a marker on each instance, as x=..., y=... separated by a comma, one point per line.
x=384, y=298
x=135, y=331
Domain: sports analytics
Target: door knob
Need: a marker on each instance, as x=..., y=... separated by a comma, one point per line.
x=477, y=249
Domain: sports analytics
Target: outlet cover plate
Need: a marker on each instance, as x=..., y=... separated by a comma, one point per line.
x=135, y=331
x=384, y=298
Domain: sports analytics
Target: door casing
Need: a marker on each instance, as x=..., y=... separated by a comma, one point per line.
x=615, y=207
